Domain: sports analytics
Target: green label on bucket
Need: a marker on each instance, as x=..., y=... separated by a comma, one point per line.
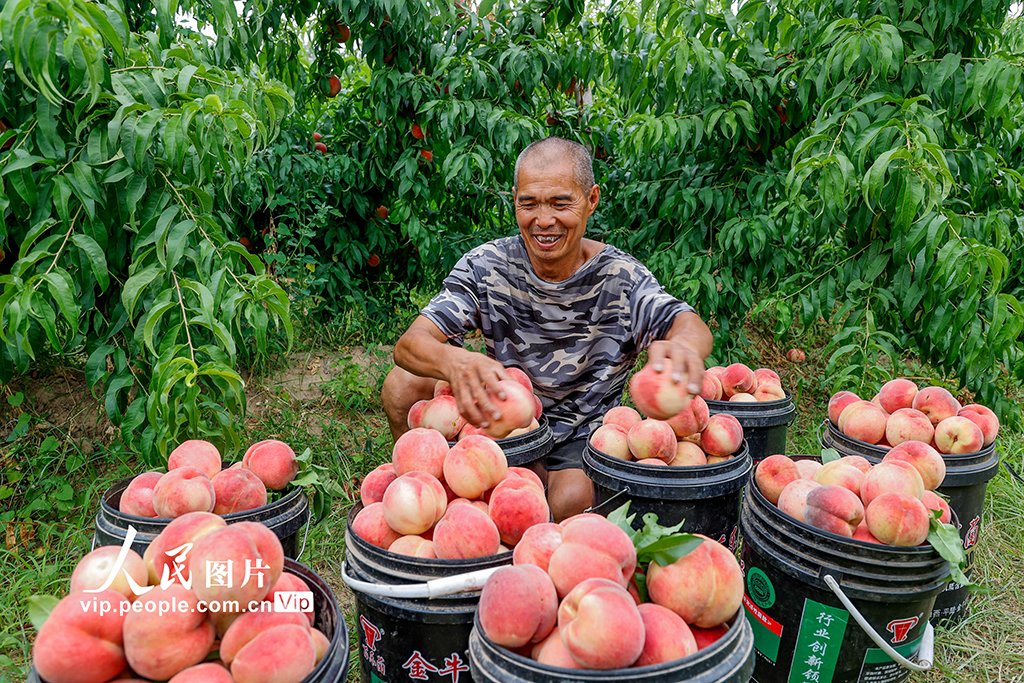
x=879, y=667
x=818, y=642
x=760, y=588
x=767, y=631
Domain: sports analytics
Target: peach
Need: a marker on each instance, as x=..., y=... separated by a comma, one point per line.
x=704, y=587
x=256, y=557
x=93, y=570
x=878, y=404
x=517, y=408
x=624, y=416
x=537, y=545
x=935, y=503
x=657, y=462
x=251, y=624
x=415, y=419
x=464, y=532
x=838, y=403
x=984, y=418
x=898, y=519
x=793, y=499
x=515, y=505
x=737, y=379
x=897, y=394
x=157, y=646
x=723, y=435
x=862, y=533
x=442, y=414
x=236, y=490
x=443, y=388
x=768, y=392
x=413, y=546
x=478, y=504
x=420, y=450
x=538, y=409
x=711, y=389
x=937, y=403
x=137, y=498
x=282, y=654
x=708, y=636
x=863, y=421
x=666, y=636
x=320, y=642
x=600, y=625
x=764, y=376
x=526, y=473
x=652, y=439
x=518, y=605
x=773, y=474
x=376, y=482
x=208, y=672
x=956, y=435
x=656, y=394
x=414, y=502
x=925, y=459
x=182, y=490
x=474, y=465
x=470, y=430
x=834, y=508
x=715, y=371
x=288, y=582
x=552, y=652
x=807, y=468
x=371, y=526
x=840, y=473
x=521, y=377
x=688, y=454
x=72, y=637
x=715, y=459
x=611, y=440
x=742, y=397
x=591, y=547
x=891, y=476
x=273, y=462
x=180, y=532
x=907, y=424
x=197, y=453
x=692, y=420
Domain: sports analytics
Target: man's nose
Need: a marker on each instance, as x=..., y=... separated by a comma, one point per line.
x=545, y=216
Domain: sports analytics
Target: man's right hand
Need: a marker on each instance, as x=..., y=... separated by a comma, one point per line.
x=471, y=375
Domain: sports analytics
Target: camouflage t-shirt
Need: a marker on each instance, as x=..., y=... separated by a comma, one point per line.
x=576, y=339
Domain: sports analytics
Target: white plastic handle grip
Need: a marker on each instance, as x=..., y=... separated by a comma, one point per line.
x=435, y=588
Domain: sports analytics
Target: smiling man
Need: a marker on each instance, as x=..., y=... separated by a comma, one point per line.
x=571, y=312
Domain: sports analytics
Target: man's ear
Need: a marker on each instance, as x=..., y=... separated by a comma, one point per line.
x=594, y=196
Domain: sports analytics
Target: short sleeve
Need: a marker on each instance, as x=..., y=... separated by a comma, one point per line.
x=456, y=308
x=653, y=310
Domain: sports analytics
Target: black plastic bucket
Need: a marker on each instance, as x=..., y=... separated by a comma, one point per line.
x=285, y=517
x=401, y=638
x=707, y=497
x=800, y=625
x=522, y=450
x=967, y=478
x=730, y=659
x=333, y=668
x=764, y=423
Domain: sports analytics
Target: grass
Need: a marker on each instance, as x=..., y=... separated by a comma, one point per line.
x=348, y=434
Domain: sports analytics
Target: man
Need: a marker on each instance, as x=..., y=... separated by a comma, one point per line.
x=571, y=312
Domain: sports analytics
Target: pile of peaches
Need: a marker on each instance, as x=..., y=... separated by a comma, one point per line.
x=195, y=482
x=458, y=502
x=739, y=384
x=901, y=412
x=570, y=598
x=166, y=633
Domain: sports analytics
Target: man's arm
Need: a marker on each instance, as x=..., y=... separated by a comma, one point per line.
x=685, y=347
x=422, y=351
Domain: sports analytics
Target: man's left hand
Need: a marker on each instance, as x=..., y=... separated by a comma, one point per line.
x=684, y=361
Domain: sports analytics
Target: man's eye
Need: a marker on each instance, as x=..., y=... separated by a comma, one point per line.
x=561, y=206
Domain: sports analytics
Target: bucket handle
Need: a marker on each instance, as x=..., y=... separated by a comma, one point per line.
x=305, y=533
x=821, y=427
x=926, y=652
x=435, y=588
x=600, y=506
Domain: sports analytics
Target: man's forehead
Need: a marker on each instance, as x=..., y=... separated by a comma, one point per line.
x=548, y=181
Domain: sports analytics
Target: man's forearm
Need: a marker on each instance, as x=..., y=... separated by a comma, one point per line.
x=418, y=352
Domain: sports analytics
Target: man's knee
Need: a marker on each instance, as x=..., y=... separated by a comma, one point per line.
x=400, y=390
x=570, y=492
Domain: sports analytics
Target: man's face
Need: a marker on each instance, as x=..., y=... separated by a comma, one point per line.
x=552, y=212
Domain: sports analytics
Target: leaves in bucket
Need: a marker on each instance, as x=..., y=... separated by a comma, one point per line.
x=946, y=541
x=39, y=608
x=654, y=543
x=828, y=455
x=320, y=486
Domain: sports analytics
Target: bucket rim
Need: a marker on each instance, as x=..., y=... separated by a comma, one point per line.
x=777, y=403
x=950, y=458
x=727, y=465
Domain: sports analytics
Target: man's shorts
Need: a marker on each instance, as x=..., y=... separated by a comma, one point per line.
x=566, y=456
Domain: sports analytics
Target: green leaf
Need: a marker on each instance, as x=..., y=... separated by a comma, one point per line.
x=946, y=541
x=39, y=608
x=669, y=549
x=134, y=286
x=828, y=455
x=94, y=253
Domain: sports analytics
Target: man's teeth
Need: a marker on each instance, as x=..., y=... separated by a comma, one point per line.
x=546, y=240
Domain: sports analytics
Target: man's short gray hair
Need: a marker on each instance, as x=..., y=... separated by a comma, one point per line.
x=554, y=148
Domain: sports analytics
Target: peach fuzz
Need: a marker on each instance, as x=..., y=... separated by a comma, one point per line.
x=769, y=392
x=742, y=398
x=600, y=625
x=159, y=646
x=521, y=377
x=251, y=624
x=442, y=388
x=517, y=408
x=723, y=436
x=537, y=545
x=515, y=505
x=71, y=637
x=835, y=509
x=611, y=440
x=591, y=547
x=957, y=435
x=898, y=519
x=236, y=490
x=704, y=587
x=925, y=459
x=282, y=654
x=708, y=636
x=197, y=453
x=442, y=414
x=243, y=544
x=937, y=403
x=465, y=532
x=893, y=476
x=773, y=474
x=838, y=403
x=807, y=468
x=190, y=528
x=652, y=439
x=93, y=570
x=208, y=672
x=656, y=394
x=737, y=379
x=371, y=526
x=623, y=416
x=897, y=394
x=183, y=490
x=137, y=498
x=290, y=582
x=420, y=450
x=273, y=462
x=984, y=418
x=415, y=419
x=863, y=421
x=666, y=636
x=474, y=465
x=414, y=502
x=552, y=652
x=793, y=499
x=413, y=546
x=935, y=503
x=518, y=606
x=688, y=454
x=376, y=482
x=907, y=424
x=692, y=420
x=839, y=473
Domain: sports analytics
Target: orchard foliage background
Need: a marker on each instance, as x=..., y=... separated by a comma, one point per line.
x=164, y=214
